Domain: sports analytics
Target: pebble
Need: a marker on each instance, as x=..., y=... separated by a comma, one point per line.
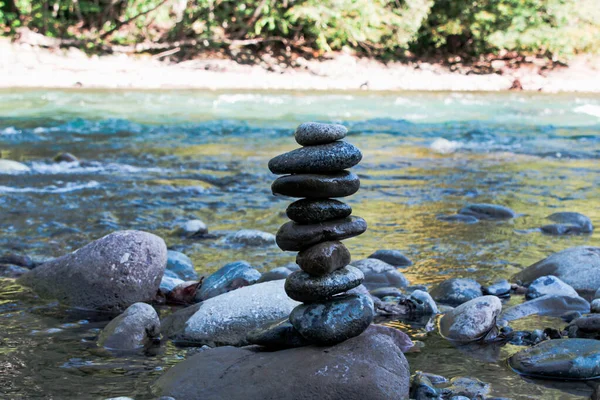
x=456, y=291
x=325, y=158
x=334, y=320
x=323, y=258
x=314, y=133
x=472, y=320
x=379, y=274
x=230, y=277
x=309, y=211
x=280, y=335
x=392, y=257
x=549, y=285
x=339, y=184
x=295, y=237
x=488, y=212
x=301, y=286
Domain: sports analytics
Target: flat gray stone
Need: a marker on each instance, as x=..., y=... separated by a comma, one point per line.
x=323, y=258
x=311, y=211
x=306, y=288
x=295, y=237
x=320, y=159
x=313, y=133
x=134, y=329
x=472, y=320
x=314, y=186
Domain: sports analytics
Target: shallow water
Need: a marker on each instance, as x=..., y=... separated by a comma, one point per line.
x=152, y=159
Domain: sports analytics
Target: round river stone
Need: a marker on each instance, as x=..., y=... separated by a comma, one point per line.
x=303, y=287
x=312, y=133
x=308, y=211
x=325, y=158
x=573, y=359
x=323, y=258
x=472, y=320
x=340, y=184
x=295, y=237
x=334, y=320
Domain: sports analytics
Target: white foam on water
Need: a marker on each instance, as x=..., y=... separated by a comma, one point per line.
x=53, y=189
x=247, y=98
x=11, y=130
x=590, y=109
x=444, y=146
x=77, y=168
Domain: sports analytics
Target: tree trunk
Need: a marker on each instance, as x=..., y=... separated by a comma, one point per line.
x=9, y=6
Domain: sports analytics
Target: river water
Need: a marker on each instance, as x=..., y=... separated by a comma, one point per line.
x=153, y=159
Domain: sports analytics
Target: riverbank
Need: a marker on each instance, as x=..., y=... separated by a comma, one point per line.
x=23, y=65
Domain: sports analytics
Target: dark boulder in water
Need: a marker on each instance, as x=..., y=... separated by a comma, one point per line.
x=379, y=274
x=465, y=219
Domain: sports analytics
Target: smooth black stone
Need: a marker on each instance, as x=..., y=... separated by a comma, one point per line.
x=325, y=158
x=323, y=258
x=280, y=335
x=334, y=320
x=315, y=186
x=309, y=211
x=488, y=211
x=306, y=288
x=313, y=133
x=392, y=257
x=295, y=237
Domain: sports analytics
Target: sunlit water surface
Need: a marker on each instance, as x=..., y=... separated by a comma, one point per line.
x=153, y=159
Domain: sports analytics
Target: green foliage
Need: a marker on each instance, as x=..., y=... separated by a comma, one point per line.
x=382, y=28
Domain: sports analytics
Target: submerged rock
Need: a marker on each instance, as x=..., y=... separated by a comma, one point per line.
x=573, y=218
x=456, y=291
x=472, y=320
x=191, y=229
x=250, y=237
x=549, y=285
x=546, y=305
x=181, y=265
x=320, y=159
x=380, y=274
x=109, y=274
x=370, y=366
x=136, y=328
x=295, y=237
x=392, y=257
x=229, y=277
x=311, y=211
x=562, y=229
x=339, y=184
x=303, y=287
x=578, y=267
x=313, y=133
x=465, y=219
x=488, y=212
x=565, y=359
x=227, y=319
x=65, y=157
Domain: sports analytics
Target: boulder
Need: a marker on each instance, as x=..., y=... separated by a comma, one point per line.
x=370, y=366
x=292, y=236
x=275, y=274
x=108, y=274
x=500, y=288
x=134, y=329
x=227, y=319
x=230, y=277
x=316, y=186
x=306, y=288
x=472, y=320
x=456, y=291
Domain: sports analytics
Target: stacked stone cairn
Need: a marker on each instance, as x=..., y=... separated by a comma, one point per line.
x=317, y=173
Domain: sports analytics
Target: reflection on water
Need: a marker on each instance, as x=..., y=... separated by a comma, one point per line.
x=153, y=159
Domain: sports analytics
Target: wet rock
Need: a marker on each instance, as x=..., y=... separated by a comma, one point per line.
x=587, y=323
x=229, y=277
x=339, y=184
x=19, y=260
x=563, y=359
x=136, y=328
x=376, y=370
x=325, y=158
x=110, y=273
x=279, y=335
x=422, y=388
x=275, y=274
x=561, y=229
x=392, y=257
x=500, y=288
x=595, y=306
x=181, y=265
x=313, y=133
x=470, y=388
x=191, y=229
x=578, y=267
x=456, y=291
x=65, y=157
x=546, y=305
x=465, y=219
x=570, y=316
x=573, y=218
x=250, y=237
x=435, y=379
x=323, y=258
x=295, y=237
x=310, y=211
x=388, y=291
x=423, y=303
x=168, y=283
x=380, y=274
x=549, y=285
x=472, y=320
x=334, y=320
x=12, y=271
x=488, y=212
x=303, y=287
x=227, y=319
x=10, y=167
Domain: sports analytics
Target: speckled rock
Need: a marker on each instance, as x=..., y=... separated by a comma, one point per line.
x=279, y=335
x=456, y=291
x=250, y=238
x=313, y=186
x=500, y=288
x=488, y=212
x=295, y=237
x=546, y=305
x=320, y=159
x=380, y=274
x=227, y=319
x=191, y=229
x=392, y=257
x=472, y=320
x=86, y=278
x=136, y=328
x=310, y=211
x=306, y=288
x=334, y=320
x=323, y=258
x=573, y=218
x=181, y=265
x=549, y=285
x=578, y=267
x=565, y=359
x=313, y=133
x=230, y=277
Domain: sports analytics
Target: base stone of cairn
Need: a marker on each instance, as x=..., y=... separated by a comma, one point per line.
x=316, y=173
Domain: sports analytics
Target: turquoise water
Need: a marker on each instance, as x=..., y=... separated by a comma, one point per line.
x=152, y=159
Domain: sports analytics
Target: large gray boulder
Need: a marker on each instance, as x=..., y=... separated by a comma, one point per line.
x=108, y=274
x=134, y=329
x=226, y=319
x=578, y=267
x=370, y=366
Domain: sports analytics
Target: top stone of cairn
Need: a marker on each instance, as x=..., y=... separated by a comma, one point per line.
x=314, y=133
